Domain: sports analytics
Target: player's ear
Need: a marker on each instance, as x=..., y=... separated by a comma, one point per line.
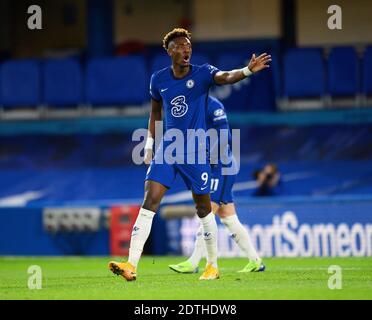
x=171, y=47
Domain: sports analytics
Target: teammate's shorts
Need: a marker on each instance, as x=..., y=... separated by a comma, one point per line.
x=197, y=177
x=221, y=186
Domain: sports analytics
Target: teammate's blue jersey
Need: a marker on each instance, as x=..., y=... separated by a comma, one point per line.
x=221, y=185
x=184, y=100
x=217, y=119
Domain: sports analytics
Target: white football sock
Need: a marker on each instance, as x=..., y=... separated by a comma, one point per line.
x=209, y=225
x=140, y=233
x=241, y=236
x=199, y=248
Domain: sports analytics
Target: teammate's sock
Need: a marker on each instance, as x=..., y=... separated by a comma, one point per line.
x=241, y=236
x=140, y=233
x=199, y=249
x=209, y=225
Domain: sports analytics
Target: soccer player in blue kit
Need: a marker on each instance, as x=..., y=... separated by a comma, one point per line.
x=222, y=200
x=180, y=91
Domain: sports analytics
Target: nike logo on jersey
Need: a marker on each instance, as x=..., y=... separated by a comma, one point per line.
x=203, y=188
x=162, y=90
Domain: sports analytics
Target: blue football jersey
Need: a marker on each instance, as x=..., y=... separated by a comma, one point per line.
x=184, y=100
x=217, y=119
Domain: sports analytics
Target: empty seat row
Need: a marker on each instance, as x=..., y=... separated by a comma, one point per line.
x=124, y=81
x=307, y=74
x=112, y=81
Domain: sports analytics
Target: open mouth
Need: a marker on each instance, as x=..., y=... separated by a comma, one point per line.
x=186, y=59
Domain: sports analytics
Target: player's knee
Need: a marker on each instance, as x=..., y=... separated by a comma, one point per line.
x=202, y=210
x=151, y=203
x=223, y=213
x=226, y=210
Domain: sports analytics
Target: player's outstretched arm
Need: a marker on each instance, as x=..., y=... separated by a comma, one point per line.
x=155, y=115
x=255, y=64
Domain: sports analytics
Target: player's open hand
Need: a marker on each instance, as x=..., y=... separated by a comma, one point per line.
x=258, y=63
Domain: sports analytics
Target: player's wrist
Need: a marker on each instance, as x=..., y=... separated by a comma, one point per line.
x=149, y=143
x=246, y=71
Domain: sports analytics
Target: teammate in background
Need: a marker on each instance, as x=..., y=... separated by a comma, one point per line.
x=181, y=90
x=222, y=202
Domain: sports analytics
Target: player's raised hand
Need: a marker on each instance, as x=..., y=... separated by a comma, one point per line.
x=258, y=63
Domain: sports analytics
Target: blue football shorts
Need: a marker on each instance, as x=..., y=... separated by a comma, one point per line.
x=221, y=186
x=197, y=177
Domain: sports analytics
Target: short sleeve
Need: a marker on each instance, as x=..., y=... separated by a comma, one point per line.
x=210, y=71
x=154, y=91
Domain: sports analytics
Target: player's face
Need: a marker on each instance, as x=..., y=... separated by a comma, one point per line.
x=180, y=51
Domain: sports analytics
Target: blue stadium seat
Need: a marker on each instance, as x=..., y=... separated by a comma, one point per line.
x=367, y=72
x=343, y=72
x=199, y=59
x=20, y=83
x=304, y=74
x=255, y=93
x=276, y=68
x=63, y=82
x=117, y=81
x=159, y=62
x=162, y=60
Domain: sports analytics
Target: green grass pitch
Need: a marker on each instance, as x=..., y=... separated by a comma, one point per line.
x=89, y=278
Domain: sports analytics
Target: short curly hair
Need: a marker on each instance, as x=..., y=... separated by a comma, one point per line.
x=175, y=33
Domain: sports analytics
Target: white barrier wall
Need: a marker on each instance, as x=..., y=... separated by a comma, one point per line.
x=235, y=19
x=148, y=21
x=312, y=28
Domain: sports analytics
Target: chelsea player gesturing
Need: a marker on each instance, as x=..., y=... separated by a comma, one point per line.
x=180, y=91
